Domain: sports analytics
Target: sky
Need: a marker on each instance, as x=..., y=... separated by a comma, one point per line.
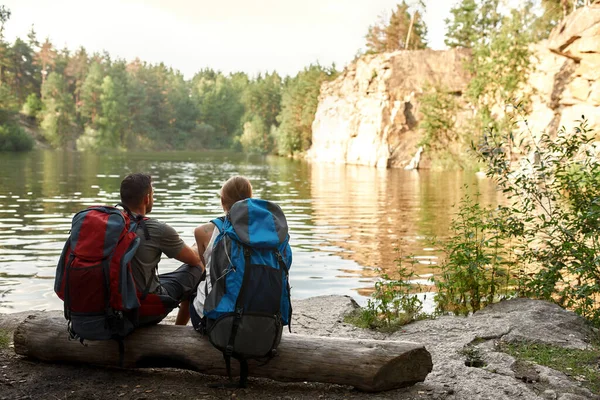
x=227, y=35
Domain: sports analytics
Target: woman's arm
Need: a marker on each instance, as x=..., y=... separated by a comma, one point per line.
x=203, y=233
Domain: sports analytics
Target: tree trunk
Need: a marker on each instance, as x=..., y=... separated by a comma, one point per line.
x=368, y=365
x=410, y=28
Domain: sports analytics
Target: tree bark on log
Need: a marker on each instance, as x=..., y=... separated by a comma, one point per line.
x=368, y=365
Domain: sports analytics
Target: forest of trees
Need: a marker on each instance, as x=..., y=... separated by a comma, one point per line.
x=91, y=101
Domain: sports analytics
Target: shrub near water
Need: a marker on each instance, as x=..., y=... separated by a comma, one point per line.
x=394, y=302
x=478, y=268
x=13, y=138
x=544, y=244
x=555, y=193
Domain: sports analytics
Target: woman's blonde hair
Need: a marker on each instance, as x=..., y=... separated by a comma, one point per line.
x=235, y=189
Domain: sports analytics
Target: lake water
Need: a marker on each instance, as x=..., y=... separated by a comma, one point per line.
x=346, y=222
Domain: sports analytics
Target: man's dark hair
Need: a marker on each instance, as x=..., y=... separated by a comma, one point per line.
x=134, y=187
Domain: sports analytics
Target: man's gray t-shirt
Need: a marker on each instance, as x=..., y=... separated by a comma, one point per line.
x=163, y=239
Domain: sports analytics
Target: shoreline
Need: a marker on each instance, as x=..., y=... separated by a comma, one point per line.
x=446, y=338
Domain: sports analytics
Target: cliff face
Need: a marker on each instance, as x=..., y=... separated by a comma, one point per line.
x=369, y=115
x=574, y=77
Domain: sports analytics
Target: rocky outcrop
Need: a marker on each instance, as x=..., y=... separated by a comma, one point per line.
x=565, y=84
x=453, y=340
x=369, y=114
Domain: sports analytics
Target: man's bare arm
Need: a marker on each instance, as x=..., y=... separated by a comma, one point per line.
x=190, y=257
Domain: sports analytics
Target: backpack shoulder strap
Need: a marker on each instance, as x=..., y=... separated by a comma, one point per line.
x=138, y=220
x=219, y=222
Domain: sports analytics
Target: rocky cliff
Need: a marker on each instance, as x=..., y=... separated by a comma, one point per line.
x=369, y=115
x=566, y=81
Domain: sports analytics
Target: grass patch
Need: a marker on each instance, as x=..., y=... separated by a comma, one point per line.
x=363, y=318
x=4, y=339
x=581, y=365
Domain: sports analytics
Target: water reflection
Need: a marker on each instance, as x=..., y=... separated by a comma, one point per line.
x=345, y=221
x=372, y=216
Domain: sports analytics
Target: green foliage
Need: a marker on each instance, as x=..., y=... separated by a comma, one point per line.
x=472, y=22
x=89, y=106
x=580, y=364
x=555, y=194
x=393, y=303
x=32, y=106
x=438, y=107
x=58, y=109
x=262, y=98
x=500, y=66
x=402, y=31
x=97, y=102
x=256, y=138
x=299, y=103
x=220, y=105
x=8, y=101
x=112, y=120
x=461, y=28
x=478, y=268
x=4, y=17
x=14, y=138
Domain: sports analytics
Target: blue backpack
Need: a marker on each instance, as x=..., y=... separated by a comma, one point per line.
x=249, y=299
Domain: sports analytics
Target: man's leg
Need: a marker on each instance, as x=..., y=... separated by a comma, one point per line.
x=180, y=285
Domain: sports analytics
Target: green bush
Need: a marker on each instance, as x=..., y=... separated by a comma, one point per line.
x=394, y=302
x=555, y=193
x=478, y=268
x=14, y=138
x=256, y=137
x=32, y=106
x=438, y=107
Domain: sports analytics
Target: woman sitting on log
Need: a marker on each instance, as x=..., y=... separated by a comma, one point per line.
x=235, y=189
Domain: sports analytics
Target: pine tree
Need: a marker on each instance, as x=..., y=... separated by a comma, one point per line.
x=58, y=110
x=472, y=22
x=403, y=31
x=4, y=54
x=89, y=105
x=21, y=71
x=299, y=102
x=376, y=36
x=76, y=72
x=461, y=27
x=46, y=58
x=112, y=120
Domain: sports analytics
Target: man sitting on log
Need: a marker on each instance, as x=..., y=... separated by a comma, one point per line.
x=161, y=293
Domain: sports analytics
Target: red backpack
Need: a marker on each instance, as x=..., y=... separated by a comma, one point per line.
x=93, y=275
x=94, y=278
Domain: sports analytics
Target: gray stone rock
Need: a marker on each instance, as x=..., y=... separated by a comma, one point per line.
x=448, y=338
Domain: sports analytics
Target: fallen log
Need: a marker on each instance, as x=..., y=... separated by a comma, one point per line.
x=368, y=365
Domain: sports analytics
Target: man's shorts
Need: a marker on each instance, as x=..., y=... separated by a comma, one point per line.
x=174, y=288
